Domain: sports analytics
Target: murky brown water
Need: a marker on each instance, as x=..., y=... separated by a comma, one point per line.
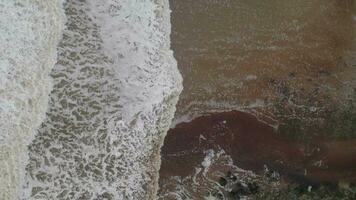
x=290, y=63
x=251, y=145
x=252, y=53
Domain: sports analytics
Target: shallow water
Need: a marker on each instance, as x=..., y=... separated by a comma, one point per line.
x=255, y=54
x=238, y=140
x=29, y=35
x=115, y=87
x=289, y=63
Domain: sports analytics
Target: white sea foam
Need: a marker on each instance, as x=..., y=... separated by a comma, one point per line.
x=115, y=89
x=29, y=34
x=203, y=182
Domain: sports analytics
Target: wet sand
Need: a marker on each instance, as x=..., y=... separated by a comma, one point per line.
x=253, y=144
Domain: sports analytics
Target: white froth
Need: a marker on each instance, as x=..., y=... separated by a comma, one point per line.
x=29, y=33
x=115, y=89
x=135, y=36
x=203, y=182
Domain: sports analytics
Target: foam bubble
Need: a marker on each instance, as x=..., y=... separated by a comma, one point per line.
x=115, y=89
x=29, y=33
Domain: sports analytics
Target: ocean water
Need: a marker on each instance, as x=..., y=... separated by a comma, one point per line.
x=88, y=88
x=254, y=54
x=289, y=63
x=29, y=34
x=115, y=85
x=203, y=183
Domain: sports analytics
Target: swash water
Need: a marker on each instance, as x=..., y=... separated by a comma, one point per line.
x=115, y=86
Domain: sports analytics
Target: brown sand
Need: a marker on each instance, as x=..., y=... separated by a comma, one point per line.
x=253, y=144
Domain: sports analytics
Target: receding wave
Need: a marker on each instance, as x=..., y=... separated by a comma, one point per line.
x=115, y=89
x=29, y=34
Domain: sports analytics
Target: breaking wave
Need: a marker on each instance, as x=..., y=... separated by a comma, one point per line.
x=115, y=87
x=29, y=34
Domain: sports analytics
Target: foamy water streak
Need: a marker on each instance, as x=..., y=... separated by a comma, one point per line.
x=29, y=34
x=203, y=182
x=115, y=89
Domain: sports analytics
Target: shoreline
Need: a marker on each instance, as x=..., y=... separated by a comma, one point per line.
x=253, y=144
